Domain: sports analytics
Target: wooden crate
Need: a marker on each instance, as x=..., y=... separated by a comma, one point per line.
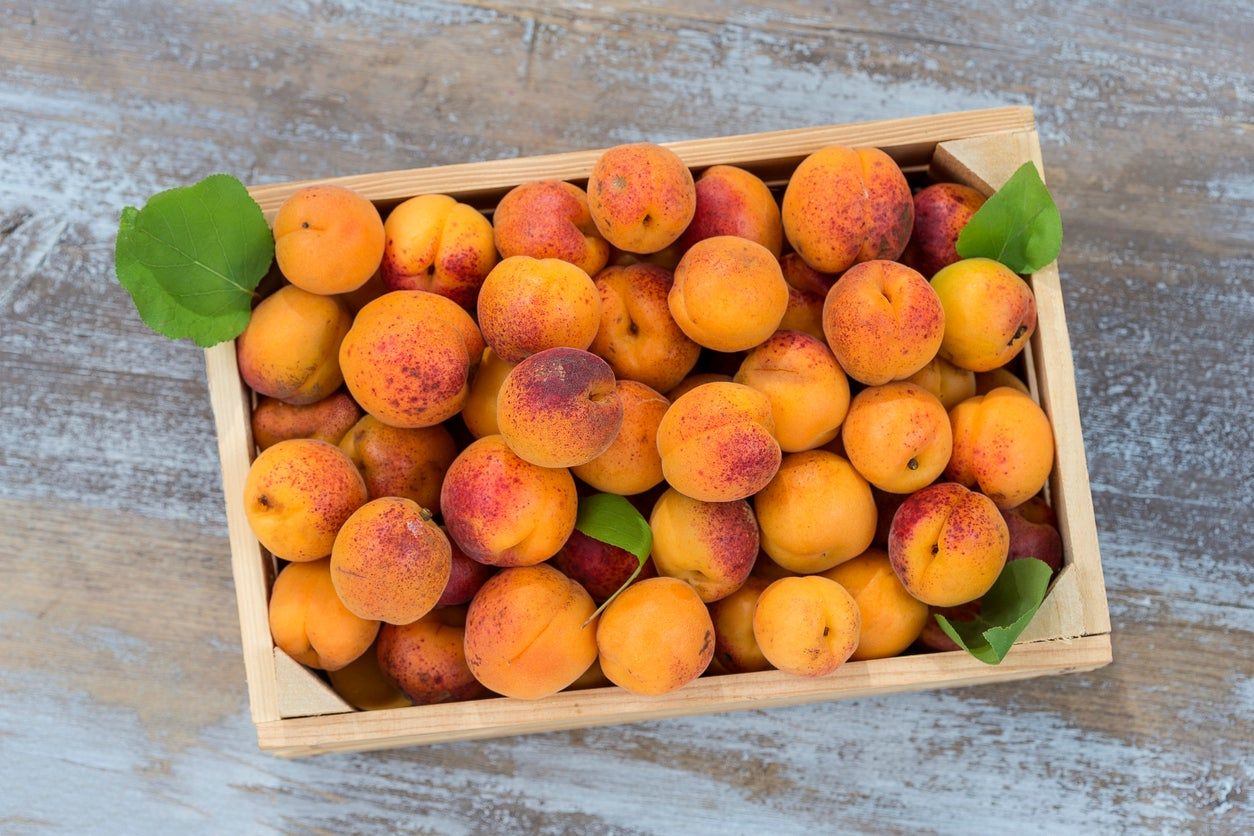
x=297, y=714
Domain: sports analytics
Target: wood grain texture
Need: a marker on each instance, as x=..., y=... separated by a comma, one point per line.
x=122, y=695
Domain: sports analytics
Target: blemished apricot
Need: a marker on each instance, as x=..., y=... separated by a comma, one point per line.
x=732, y=201
x=846, y=205
x=1003, y=445
x=527, y=305
x=297, y=495
x=803, y=277
x=530, y=632
x=897, y=436
x=728, y=293
x=408, y=357
x=808, y=391
x=1033, y=533
x=804, y=313
x=990, y=313
x=948, y=544
x=735, y=648
x=600, y=568
x=363, y=684
x=326, y=420
x=816, y=513
x=409, y=463
x=559, y=408
x=631, y=464
x=290, y=348
x=427, y=659
x=806, y=626
x=710, y=545
x=504, y=511
x=717, y=442
x=328, y=239
x=310, y=623
x=465, y=578
x=637, y=336
x=950, y=384
x=656, y=636
x=390, y=562
x=891, y=617
x=986, y=382
x=692, y=381
x=883, y=321
x=641, y=197
x=438, y=245
x=940, y=212
x=550, y=219
x=479, y=411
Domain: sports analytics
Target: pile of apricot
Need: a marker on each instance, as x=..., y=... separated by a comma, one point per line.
x=812, y=400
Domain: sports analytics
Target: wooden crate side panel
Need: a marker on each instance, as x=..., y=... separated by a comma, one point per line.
x=302, y=693
x=250, y=567
x=605, y=706
x=910, y=141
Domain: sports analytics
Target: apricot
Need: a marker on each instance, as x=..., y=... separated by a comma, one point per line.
x=731, y=201
x=897, y=436
x=891, y=617
x=804, y=313
x=364, y=295
x=735, y=648
x=940, y=212
x=846, y=205
x=806, y=626
x=326, y=420
x=631, y=464
x=717, y=443
x=817, y=512
x=728, y=293
x=427, y=659
x=438, y=245
x=408, y=357
x=559, y=408
x=933, y=637
x=466, y=577
x=297, y=495
x=529, y=634
x=400, y=462
x=986, y=382
x=1033, y=533
x=655, y=637
x=710, y=545
x=328, y=239
x=310, y=623
x=1003, y=445
x=637, y=336
x=808, y=391
x=641, y=197
x=593, y=677
x=479, y=411
x=550, y=219
x=363, y=684
x=948, y=544
x=805, y=278
x=990, y=313
x=950, y=384
x=600, y=568
x=390, y=561
x=504, y=511
x=883, y=322
x=527, y=305
x=290, y=348
x=692, y=381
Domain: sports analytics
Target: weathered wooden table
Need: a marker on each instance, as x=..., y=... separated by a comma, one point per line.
x=122, y=703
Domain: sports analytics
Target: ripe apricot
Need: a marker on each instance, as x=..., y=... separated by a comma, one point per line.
x=990, y=313
x=806, y=626
x=290, y=348
x=326, y=420
x=328, y=239
x=897, y=436
x=710, y=545
x=950, y=384
x=735, y=648
x=1003, y=445
x=527, y=305
x=637, y=336
x=479, y=411
x=427, y=659
x=808, y=391
x=728, y=293
x=394, y=461
x=732, y=201
x=891, y=617
x=438, y=245
x=550, y=219
x=310, y=623
x=631, y=464
x=641, y=197
x=655, y=637
x=940, y=213
x=363, y=684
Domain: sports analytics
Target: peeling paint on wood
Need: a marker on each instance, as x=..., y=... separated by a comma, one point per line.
x=121, y=687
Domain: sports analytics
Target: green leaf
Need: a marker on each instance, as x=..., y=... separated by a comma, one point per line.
x=612, y=519
x=1018, y=226
x=1005, y=611
x=192, y=257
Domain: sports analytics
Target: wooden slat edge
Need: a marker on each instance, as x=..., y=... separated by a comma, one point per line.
x=231, y=416
x=918, y=133
x=369, y=730
x=301, y=692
